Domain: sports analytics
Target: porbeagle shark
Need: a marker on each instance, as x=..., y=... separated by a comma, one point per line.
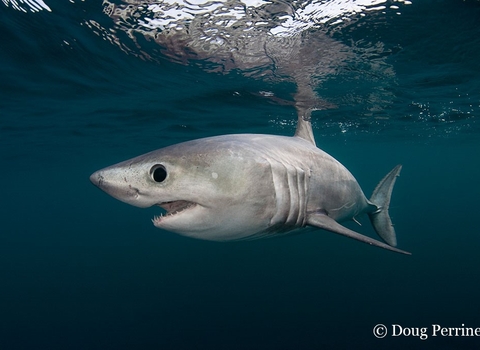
x=249, y=186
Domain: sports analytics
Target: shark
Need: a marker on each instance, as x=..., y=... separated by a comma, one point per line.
x=251, y=186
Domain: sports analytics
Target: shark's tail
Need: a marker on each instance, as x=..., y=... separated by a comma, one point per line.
x=381, y=198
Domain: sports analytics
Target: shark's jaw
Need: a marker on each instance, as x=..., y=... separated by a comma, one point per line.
x=173, y=209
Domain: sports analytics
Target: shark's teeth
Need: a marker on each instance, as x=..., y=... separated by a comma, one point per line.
x=157, y=219
x=172, y=209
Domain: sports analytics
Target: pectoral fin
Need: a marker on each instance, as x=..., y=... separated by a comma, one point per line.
x=325, y=222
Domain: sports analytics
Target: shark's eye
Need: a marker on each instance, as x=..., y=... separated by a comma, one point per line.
x=158, y=173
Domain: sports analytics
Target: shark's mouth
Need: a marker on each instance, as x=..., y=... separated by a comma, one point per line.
x=172, y=209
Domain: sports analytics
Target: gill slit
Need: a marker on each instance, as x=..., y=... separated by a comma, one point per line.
x=291, y=188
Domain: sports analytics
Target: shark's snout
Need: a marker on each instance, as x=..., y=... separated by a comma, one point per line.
x=104, y=181
x=97, y=178
x=111, y=181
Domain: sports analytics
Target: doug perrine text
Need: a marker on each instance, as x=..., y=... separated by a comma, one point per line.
x=434, y=330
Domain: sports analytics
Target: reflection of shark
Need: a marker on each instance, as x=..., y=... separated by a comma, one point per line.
x=250, y=186
x=259, y=40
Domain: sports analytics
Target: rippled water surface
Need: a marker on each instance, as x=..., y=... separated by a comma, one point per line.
x=85, y=84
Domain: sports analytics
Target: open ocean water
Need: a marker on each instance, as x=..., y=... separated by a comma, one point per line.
x=82, y=88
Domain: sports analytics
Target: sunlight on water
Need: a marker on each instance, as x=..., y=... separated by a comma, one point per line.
x=24, y=5
x=220, y=20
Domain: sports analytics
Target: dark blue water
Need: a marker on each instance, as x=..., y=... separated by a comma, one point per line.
x=80, y=270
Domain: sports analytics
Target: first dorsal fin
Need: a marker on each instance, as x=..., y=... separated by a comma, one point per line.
x=304, y=125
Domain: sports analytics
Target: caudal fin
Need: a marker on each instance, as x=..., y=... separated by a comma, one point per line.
x=381, y=198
